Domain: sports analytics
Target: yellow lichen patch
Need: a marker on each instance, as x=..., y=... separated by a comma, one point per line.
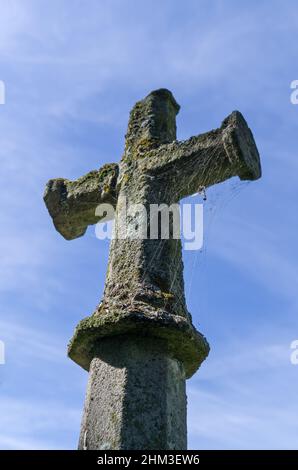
x=125, y=178
x=167, y=295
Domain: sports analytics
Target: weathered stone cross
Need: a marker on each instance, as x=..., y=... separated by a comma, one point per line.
x=140, y=344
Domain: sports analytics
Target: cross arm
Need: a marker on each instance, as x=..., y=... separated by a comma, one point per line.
x=209, y=158
x=72, y=204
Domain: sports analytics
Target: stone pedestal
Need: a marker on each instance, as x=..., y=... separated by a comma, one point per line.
x=136, y=397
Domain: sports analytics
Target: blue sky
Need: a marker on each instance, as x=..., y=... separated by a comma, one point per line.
x=72, y=71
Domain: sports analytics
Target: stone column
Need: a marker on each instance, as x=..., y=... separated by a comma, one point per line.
x=136, y=397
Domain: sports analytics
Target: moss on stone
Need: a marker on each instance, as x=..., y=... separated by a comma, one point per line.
x=184, y=342
x=144, y=292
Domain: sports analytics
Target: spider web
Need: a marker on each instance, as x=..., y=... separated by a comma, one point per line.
x=218, y=198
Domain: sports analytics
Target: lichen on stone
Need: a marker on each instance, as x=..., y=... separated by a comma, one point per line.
x=144, y=289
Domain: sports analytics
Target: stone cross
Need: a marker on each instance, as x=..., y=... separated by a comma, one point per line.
x=140, y=345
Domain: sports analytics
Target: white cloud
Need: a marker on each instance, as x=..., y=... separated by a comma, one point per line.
x=242, y=422
x=258, y=252
x=14, y=21
x=26, y=425
x=245, y=397
x=23, y=342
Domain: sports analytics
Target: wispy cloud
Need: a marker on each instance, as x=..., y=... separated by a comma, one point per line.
x=26, y=424
x=246, y=398
x=71, y=74
x=241, y=422
x=24, y=342
x=260, y=253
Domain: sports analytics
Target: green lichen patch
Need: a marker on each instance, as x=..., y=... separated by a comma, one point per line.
x=144, y=290
x=184, y=343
